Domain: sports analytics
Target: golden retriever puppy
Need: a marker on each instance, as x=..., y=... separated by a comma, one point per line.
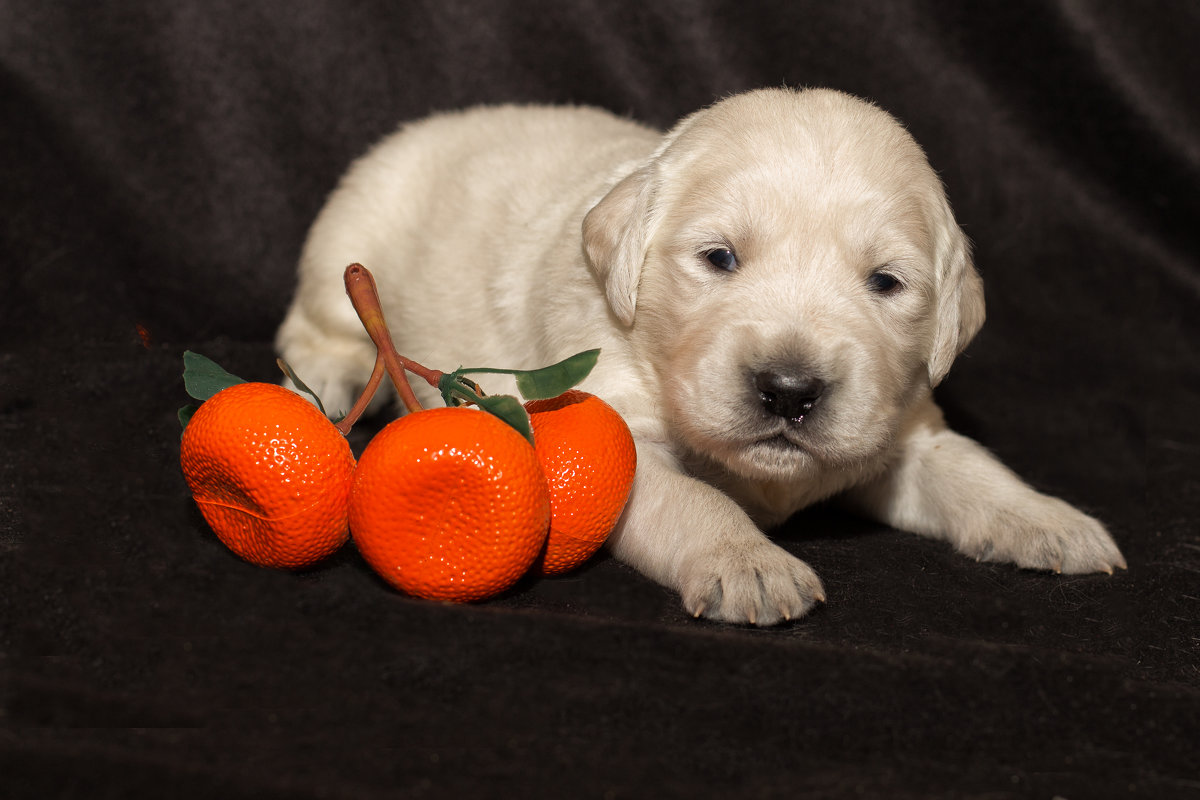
x=777, y=283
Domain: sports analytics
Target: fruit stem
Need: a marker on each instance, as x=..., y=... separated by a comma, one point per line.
x=360, y=286
x=364, y=399
x=430, y=376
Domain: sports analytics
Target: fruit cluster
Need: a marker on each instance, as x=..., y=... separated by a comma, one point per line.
x=453, y=503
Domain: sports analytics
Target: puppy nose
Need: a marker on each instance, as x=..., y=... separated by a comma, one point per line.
x=788, y=394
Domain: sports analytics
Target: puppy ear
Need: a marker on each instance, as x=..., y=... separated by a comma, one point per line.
x=615, y=240
x=960, y=312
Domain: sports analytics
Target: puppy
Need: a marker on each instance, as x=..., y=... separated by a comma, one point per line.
x=777, y=284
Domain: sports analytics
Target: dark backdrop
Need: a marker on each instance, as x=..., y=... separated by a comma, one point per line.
x=160, y=164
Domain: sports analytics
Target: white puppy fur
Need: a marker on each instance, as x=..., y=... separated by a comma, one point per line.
x=776, y=284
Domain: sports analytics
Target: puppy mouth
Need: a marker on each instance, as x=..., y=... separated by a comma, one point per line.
x=785, y=440
x=775, y=453
x=778, y=442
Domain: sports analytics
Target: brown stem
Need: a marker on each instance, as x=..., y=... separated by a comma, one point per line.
x=360, y=286
x=364, y=399
x=430, y=376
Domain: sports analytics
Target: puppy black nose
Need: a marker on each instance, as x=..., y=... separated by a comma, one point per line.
x=788, y=394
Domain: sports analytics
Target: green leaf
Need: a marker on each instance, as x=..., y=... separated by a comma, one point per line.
x=551, y=381
x=546, y=382
x=185, y=415
x=456, y=390
x=534, y=384
x=287, y=370
x=509, y=409
x=203, y=377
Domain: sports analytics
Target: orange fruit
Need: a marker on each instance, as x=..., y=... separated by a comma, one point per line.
x=588, y=457
x=270, y=474
x=449, y=504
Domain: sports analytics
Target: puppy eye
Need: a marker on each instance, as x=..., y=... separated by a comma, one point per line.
x=883, y=283
x=722, y=258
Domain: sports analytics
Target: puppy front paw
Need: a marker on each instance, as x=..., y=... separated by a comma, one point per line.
x=1044, y=534
x=335, y=368
x=749, y=582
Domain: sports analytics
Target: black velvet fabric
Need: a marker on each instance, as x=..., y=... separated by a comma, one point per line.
x=161, y=163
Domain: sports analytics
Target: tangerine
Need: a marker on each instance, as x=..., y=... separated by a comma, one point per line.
x=270, y=474
x=588, y=456
x=449, y=504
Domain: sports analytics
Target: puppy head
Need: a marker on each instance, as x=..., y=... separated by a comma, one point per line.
x=789, y=264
